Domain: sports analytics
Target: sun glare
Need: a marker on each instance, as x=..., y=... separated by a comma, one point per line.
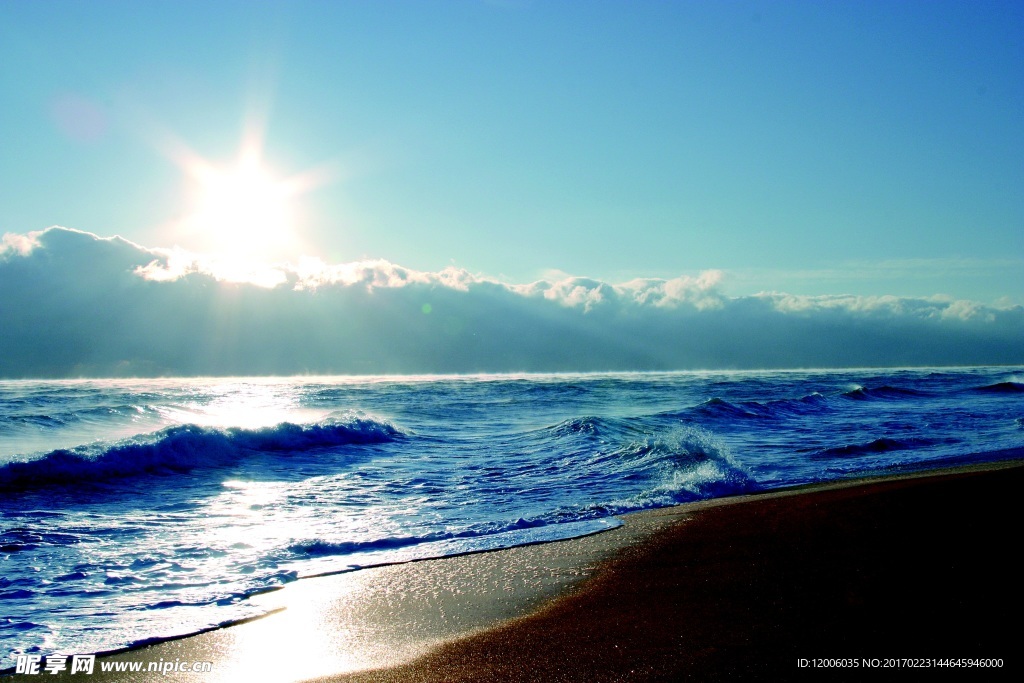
x=242, y=213
x=245, y=206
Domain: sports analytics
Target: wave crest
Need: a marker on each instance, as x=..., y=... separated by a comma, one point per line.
x=688, y=464
x=183, y=448
x=881, y=445
x=883, y=392
x=1002, y=388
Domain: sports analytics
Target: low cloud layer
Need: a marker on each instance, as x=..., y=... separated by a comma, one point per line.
x=74, y=304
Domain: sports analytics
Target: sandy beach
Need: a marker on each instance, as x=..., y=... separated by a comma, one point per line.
x=912, y=566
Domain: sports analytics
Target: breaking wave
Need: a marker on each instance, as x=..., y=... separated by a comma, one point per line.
x=183, y=448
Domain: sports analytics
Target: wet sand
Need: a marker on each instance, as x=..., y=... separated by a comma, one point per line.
x=907, y=568
x=741, y=588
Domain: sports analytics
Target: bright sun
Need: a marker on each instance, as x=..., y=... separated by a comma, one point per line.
x=242, y=212
x=244, y=209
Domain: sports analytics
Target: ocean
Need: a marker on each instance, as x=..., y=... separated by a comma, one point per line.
x=137, y=510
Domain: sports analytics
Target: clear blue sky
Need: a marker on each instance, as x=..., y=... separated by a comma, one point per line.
x=806, y=147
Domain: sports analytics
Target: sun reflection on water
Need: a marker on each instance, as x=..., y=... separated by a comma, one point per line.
x=247, y=405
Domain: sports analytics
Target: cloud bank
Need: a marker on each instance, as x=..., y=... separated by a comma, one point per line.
x=74, y=304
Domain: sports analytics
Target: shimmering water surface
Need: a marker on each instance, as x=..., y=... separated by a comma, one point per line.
x=141, y=509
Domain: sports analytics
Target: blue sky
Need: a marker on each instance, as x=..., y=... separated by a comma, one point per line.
x=812, y=149
x=872, y=148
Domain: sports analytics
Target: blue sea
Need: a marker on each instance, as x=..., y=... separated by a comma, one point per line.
x=135, y=510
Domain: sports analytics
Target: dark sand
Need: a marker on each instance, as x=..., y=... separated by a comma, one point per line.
x=740, y=588
x=917, y=567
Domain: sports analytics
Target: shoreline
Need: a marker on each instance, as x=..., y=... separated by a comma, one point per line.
x=390, y=613
x=411, y=620
x=916, y=568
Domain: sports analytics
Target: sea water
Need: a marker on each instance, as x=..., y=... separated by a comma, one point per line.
x=135, y=510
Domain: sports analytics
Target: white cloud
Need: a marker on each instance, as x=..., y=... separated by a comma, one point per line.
x=926, y=308
x=21, y=245
x=73, y=303
x=922, y=278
